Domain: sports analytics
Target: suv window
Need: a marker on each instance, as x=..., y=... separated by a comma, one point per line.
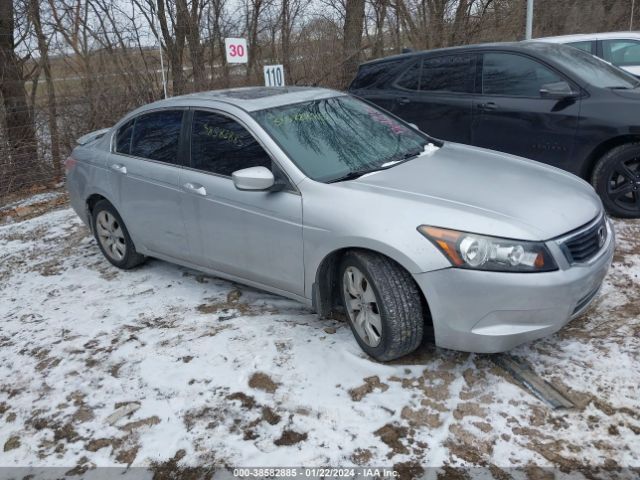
x=221, y=145
x=586, y=46
x=452, y=73
x=156, y=136
x=377, y=73
x=123, y=138
x=410, y=79
x=621, y=52
x=514, y=75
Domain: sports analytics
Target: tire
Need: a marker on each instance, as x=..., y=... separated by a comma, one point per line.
x=616, y=178
x=113, y=237
x=397, y=316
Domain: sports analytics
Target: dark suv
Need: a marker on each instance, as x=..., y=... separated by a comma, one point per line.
x=548, y=102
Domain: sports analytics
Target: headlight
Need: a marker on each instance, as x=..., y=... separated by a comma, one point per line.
x=480, y=252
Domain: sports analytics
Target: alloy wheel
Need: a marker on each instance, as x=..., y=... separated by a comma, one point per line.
x=623, y=187
x=362, y=306
x=111, y=235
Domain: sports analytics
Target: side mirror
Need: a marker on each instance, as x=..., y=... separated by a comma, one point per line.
x=253, y=178
x=558, y=91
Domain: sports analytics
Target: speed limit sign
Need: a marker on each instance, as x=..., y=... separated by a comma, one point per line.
x=236, y=49
x=273, y=76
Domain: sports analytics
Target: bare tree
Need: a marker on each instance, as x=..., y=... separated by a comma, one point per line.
x=17, y=118
x=45, y=65
x=352, y=39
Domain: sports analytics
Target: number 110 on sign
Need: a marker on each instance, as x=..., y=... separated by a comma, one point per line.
x=274, y=76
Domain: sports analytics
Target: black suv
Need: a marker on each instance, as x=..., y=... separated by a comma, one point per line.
x=552, y=103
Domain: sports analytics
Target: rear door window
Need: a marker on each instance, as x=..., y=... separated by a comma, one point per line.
x=156, y=136
x=512, y=75
x=221, y=145
x=587, y=46
x=451, y=73
x=621, y=52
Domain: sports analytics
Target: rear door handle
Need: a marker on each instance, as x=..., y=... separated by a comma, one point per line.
x=487, y=107
x=195, y=188
x=404, y=100
x=118, y=167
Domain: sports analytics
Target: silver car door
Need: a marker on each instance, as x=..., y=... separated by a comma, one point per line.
x=145, y=171
x=254, y=235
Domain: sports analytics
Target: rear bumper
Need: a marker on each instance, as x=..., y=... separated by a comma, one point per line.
x=489, y=312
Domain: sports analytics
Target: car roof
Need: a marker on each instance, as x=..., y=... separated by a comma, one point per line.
x=540, y=47
x=249, y=99
x=585, y=37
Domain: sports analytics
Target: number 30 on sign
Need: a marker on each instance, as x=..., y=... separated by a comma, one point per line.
x=236, y=49
x=274, y=76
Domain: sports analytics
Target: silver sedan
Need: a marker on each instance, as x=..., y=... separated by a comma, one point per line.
x=318, y=196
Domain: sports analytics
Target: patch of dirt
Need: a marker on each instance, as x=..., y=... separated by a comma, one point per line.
x=36, y=209
x=12, y=443
x=262, y=381
x=127, y=455
x=421, y=417
x=65, y=432
x=408, y=470
x=99, y=443
x=392, y=435
x=231, y=307
x=247, y=401
x=269, y=416
x=145, y=422
x=370, y=384
x=170, y=470
x=470, y=448
x=290, y=437
x=469, y=409
x=361, y=456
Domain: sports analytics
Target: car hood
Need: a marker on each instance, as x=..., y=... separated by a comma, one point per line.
x=484, y=191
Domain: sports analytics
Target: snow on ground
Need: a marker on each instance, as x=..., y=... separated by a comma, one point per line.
x=216, y=373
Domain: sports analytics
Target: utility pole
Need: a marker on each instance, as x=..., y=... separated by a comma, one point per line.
x=529, y=19
x=164, y=78
x=633, y=4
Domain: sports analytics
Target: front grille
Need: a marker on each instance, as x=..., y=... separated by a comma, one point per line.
x=586, y=243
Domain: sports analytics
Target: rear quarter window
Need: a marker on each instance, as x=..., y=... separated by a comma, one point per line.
x=375, y=74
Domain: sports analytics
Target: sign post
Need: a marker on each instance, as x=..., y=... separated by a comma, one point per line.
x=236, y=50
x=274, y=76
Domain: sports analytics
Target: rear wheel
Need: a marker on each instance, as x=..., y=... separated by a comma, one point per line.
x=383, y=305
x=616, y=178
x=113, y=237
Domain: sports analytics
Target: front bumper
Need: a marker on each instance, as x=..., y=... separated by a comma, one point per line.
x=489, y=312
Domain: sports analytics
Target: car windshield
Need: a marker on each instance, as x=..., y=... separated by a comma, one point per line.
x=339, y=138
x=592, y=69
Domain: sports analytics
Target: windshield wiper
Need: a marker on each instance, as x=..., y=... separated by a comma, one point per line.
x=353, y=174
x=392, y=162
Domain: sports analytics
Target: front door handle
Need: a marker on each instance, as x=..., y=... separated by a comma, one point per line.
x=118, y=167
x=195, y=188
x=487, y=107
x=404, y=100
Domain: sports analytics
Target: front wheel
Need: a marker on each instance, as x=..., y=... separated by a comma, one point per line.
x=616, y=178
x=383, y=305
